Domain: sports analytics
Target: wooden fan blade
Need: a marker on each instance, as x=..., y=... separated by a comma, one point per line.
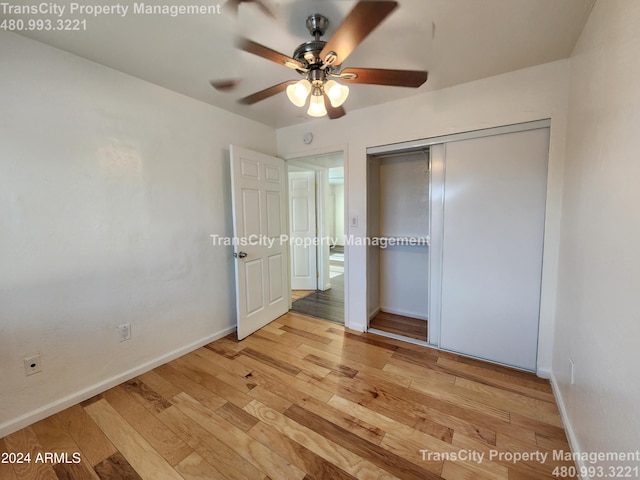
x=266, y=93
x=360, y=22
x=333, y=112
x=382, y=76
x=233, y=5
x=269, y=54
x=264, y=9
x=226, y=84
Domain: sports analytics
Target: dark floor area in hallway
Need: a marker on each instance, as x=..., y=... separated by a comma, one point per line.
x=328, y=305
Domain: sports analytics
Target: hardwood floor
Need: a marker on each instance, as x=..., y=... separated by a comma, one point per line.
x=328, y=304
x=298, y=294
x=400, y=325
x=303, y=399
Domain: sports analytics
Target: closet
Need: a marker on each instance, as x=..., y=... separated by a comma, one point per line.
x=473, y=207
x=398, y=257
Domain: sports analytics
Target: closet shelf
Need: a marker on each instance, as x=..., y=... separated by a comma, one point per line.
x=403, y=241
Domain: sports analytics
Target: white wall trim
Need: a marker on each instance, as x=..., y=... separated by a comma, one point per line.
x=373, y=313
x=315, y=152
x=358, y=327
x=58, y=405
x=404, y=313
x=568, y=428
x=456, y=137
x=544, y=373
x=323, y=262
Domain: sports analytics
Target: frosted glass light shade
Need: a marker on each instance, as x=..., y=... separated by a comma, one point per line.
x=337, y=93
x=298, y=92
x=316, y=106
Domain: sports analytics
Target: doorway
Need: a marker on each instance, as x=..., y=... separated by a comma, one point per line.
x=317, y=232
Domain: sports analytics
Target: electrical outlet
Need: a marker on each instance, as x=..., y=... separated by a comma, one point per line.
x=124, y=331
x=572, y=372
x=32, y=364
x=353, y=222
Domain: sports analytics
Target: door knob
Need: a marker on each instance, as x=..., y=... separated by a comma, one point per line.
x=240, y=254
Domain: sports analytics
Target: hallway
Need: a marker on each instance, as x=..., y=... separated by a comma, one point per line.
x=328, y=304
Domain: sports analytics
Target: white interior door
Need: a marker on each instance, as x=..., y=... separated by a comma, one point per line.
x=258, y=191
x=302, y=216
x=494, y=212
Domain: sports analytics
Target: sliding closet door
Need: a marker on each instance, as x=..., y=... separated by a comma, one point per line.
x=493, y=227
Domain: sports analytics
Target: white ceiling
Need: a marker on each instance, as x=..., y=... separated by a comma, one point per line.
x=457, y=41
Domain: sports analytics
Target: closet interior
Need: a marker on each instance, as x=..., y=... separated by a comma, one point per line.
x=398, y=201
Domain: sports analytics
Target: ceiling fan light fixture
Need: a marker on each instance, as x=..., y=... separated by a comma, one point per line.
x=298, y=92
x=337, y=93
x=320, y=62
x=316, y=104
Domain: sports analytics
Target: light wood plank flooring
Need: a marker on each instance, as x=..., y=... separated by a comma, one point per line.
x=303, y=399
x=298, y=294
x=400, y=325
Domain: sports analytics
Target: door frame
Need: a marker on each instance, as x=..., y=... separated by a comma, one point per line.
x=299, y=157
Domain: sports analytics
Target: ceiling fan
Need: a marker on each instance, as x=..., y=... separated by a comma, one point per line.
x=320, y=63
x=233, y=6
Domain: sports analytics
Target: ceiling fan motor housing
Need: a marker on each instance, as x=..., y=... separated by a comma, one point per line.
x=317, y=25
x=316, y=77
x=309, y=52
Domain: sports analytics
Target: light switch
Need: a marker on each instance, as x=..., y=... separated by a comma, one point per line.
x=354, y=221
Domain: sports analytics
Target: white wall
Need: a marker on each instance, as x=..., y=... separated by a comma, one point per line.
x=598, y=319
x=525, y=95
x=109, y=190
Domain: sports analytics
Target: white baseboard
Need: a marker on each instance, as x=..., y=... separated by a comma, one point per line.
x=373, y=313
x=568, y=428
x=77, y=397
x=543, y=373
x=358, y=327
x=404, y=313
